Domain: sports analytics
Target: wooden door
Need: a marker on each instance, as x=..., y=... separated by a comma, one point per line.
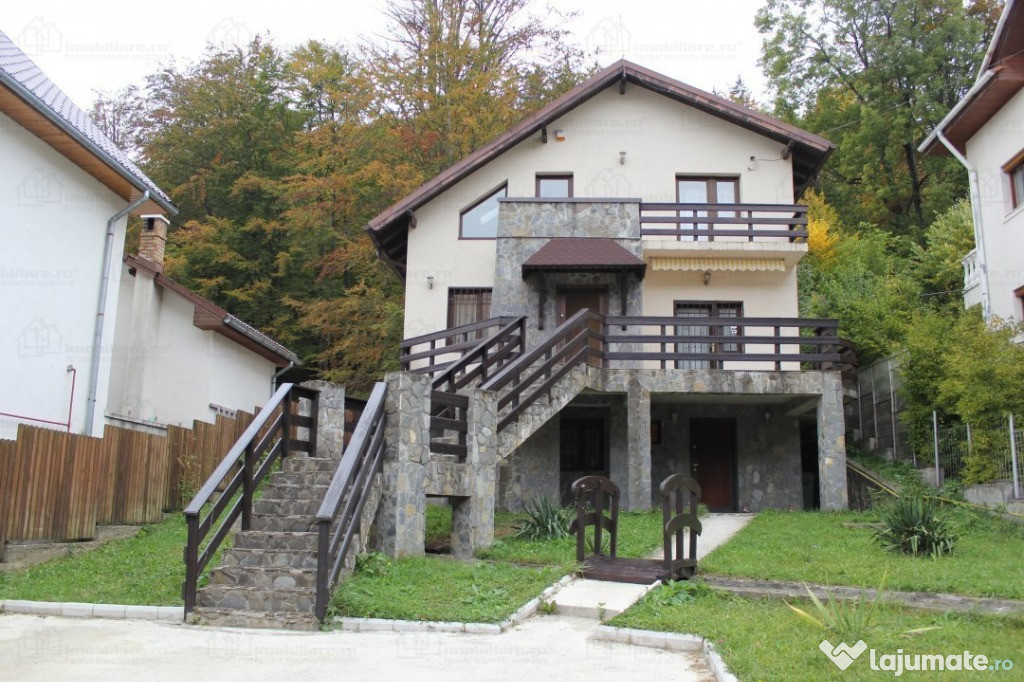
x=572, y=300
x=713, y=461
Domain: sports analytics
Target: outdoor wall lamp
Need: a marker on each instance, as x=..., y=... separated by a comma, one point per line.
x=430, y=281
x=707, y=277
x=622, y=158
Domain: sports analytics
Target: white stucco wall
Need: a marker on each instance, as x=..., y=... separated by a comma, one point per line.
x=988, y=150
x=170, y=371
x=662, y=139
x=53, y=219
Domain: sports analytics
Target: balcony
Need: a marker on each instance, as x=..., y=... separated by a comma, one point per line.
x=723, y=236
x=972, y=279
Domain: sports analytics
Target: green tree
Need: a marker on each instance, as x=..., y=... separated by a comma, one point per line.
x=875, y=76
x=938, y=263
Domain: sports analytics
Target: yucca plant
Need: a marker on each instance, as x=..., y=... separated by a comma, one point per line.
x=545, y=520
x=916, y=526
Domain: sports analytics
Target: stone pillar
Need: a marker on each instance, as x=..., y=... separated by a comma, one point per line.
x=637, y=486
x=832, y=444
x=473, y=516
x=401, y=521
x=330, y=419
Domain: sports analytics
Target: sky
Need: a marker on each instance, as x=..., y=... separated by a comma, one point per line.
x=106, y=44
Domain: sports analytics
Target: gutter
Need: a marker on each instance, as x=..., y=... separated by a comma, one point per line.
x=253, y=335
x=979, y=233
x=101, y=310
x=29, y=97
x=979, y=85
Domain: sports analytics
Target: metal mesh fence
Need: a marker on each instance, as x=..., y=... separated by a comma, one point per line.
x=955, y=444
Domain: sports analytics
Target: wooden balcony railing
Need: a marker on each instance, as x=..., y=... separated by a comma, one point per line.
x=727, y=222
x=435, y=352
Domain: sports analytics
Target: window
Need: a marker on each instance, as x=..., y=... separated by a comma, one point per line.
x=697, y=190
x=1017, y=185
x=707, y=344
x=466, y=306
x=480, y=220
x=554, y=186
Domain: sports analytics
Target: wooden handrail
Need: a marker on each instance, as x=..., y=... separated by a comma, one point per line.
x=251, y=458
x=350, y=485
x=688, y=216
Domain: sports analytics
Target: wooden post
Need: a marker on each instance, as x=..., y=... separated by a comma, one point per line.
x=248, y=464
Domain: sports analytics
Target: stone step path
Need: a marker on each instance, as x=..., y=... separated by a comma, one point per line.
x=268, y=577
x=601, y=600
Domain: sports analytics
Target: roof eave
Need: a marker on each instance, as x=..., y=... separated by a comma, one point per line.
x=31, y=100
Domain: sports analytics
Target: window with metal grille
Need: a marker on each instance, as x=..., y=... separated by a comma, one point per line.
x=466, y=306
x=707, y=309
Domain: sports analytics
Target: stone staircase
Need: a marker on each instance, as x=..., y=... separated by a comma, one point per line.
x=543, y=409
x=268, y=577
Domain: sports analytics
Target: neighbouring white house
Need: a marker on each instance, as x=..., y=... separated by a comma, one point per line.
x=88, y=337
x=985, y=133
x=671, y=213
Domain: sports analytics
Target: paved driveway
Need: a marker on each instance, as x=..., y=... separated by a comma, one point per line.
x=544, y=648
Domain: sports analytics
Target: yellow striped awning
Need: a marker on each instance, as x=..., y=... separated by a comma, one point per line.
x=714, y=264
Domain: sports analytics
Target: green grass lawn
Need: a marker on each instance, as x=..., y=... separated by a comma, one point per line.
x=763, y=640
x=817, y=547
x=639, y=535
x=145, y=569
x=440, y=588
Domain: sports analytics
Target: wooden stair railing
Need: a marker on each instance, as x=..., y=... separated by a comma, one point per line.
x=448, y=408
x=441, y=345
x=346, y=496
x=267, y=440
x=578, y=340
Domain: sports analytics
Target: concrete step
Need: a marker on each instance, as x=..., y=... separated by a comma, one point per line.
x=267, y=578
x=276, y=540
x=286, y=600
x=285, y=507
x=299, y=465
x=269, y=558
x=277, y=620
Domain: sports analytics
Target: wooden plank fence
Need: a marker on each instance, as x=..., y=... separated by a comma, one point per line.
x=59, y=486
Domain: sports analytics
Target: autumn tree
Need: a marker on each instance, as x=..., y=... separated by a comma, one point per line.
x=875, y=76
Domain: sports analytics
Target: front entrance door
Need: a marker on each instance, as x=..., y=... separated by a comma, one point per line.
x=570, y=301
x=713, y=461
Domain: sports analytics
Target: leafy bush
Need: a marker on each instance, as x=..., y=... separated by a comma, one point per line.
x=545, y=519
x=676, y=592
x=916, y=526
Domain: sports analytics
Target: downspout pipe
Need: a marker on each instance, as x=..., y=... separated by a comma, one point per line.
x=979, y=233
x=101, y=310
x=279, y=374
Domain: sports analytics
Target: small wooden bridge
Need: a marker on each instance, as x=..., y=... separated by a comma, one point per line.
x=596, y=494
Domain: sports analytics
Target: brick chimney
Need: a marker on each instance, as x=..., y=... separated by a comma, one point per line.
x=153, y=239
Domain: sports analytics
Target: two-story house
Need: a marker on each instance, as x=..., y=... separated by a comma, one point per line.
x=985, y=134
x=670, y=214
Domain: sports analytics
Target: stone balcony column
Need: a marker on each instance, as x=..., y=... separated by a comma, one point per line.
x=637, y=488
x=401, y=521
x=832, y=444
x=473, y=516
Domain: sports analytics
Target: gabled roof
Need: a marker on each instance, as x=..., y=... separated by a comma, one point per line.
x=209, y=316
x=1001, y=77
x=35, y=102
x=583, y=254
x=389, y=229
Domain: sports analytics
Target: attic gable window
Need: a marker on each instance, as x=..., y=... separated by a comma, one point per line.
x=480, y=219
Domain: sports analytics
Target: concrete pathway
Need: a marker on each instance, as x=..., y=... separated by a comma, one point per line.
x=545, y=647
x=601, y=600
